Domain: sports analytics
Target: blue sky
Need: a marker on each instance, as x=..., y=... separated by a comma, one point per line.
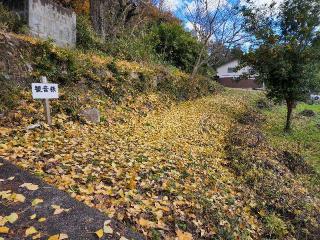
x=178, y=7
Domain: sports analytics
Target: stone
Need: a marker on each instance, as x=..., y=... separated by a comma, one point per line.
x=33, y=126
x=29, y=67
x=134, y=75
x=91, y=115
x=308, y=113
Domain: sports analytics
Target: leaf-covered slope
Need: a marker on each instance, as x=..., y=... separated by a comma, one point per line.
x=191, y=170
x=161, y=173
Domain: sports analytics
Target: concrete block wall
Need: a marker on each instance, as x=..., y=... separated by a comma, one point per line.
x=49, y=20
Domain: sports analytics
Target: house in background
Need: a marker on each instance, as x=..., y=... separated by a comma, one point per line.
x=229, y=76
x=47, y=20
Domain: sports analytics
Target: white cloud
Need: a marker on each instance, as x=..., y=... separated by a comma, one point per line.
x=212, y=5
x=260, y=3
x=173, y=5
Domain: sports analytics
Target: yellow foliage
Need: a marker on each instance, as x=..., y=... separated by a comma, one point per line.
x=153, y=170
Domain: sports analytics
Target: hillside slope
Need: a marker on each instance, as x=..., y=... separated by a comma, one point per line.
x=86, y=79
x=190, y=170
x=171, y=158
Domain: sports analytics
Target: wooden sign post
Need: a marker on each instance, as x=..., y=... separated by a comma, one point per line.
x=47, y=110
x=45, y=91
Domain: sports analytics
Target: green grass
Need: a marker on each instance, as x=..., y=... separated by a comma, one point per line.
x=305, y=137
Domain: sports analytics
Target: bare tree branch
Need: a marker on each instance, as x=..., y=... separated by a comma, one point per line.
x=215, y=24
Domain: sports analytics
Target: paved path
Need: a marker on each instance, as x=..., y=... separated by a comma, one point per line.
x=80, y=222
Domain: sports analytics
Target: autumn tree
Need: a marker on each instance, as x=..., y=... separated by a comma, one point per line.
x=110, y=17
x=283, y=51
x=79, y=6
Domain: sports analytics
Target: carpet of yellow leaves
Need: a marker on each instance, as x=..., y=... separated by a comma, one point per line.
x=163, y=173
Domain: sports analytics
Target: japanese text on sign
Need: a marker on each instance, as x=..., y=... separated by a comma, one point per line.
x=45, y=91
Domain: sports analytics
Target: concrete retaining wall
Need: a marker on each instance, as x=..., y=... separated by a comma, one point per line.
x=50, y=20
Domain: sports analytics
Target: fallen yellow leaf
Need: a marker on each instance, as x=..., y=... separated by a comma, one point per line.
x=19, y=198
x=42, y=219
x=63, y=236
x=12, y=217
x=58, y=209
x=37, y=236
x=30, y=186
x=37, y=201
x=30, y=231
x=183, y=235
x=3, y=221
x=146, y=223
x=107, y=230
x=99, y=233
x=54, y=237
x=4, y=230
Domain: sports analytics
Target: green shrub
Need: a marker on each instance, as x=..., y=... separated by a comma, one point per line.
x=133, y=47
x=10, y=21
x=175, y=45
x=86, y=37
x=60, y=65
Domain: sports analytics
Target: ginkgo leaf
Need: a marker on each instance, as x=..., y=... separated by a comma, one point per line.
x=4, y=230
x=12, y=217
x=146, y=223
x=183, y=235
x=54, y=237
x=63, y=236
x=18, y=198
x=123, y=238
x=42, y=219
x=30, y=186
x=30, y=231
x=33, y=216
x=107, y=230
x=58, y=209
x=37, y=201
x=3, y=221
x=37, y=236
x=60, y=236
x=11, y=178
x=99, y=233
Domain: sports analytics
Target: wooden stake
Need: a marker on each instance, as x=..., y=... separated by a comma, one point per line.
x=46, y=104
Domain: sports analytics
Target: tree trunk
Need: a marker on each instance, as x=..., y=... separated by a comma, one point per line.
x=290, y=105
x=97, y=13
x=197, y=65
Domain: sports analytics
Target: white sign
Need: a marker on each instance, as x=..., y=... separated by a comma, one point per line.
x=45, y=91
